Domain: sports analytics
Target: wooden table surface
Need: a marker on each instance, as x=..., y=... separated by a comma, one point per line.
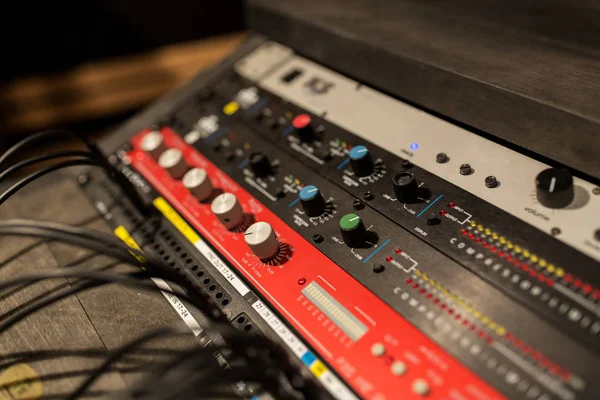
x=98, y=320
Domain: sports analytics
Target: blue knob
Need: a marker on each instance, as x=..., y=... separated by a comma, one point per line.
x=312, y=200
x=361, y=161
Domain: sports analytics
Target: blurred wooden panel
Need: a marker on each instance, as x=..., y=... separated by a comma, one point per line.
x=106, y=88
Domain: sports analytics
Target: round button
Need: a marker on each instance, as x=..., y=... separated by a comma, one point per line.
x=554, y=187
x=153, y=144
x=405, y=186
x=227, y=209
x=353, y=230
x=432, y=219
x=398, y=368
x=361, y=161
x=196, y=180
x=303, y=127
x=378, y=349
x=260, y=164
x=172, y=161
x=262, y=240
x=312, y=201
x=420, y=387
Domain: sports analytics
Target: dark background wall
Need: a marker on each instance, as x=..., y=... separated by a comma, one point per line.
x=48, y=36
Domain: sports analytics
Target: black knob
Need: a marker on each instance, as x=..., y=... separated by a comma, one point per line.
x=353, y=230
x=554, y=187
x=312, y=201
x=260, y=164
x=303, y=126
x=361, y=161
x=405, y=187
x=432, y=219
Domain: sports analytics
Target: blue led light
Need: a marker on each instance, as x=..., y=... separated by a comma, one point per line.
x=414, y=146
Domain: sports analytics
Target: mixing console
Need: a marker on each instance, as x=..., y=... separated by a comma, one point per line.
x=394, y=254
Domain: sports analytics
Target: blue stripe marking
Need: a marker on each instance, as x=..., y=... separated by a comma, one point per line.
x=430, y=204
x=257, y=105
x=308, y=358
x=243, y=164
x=343, y=164
x=287, y=130
x=375, y=252
x=293, y=203
x=215, y=135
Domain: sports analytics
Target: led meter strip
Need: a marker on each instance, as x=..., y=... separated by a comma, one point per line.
x=331, y=382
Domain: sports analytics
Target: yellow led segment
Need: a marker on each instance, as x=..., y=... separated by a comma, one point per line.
x=492, y=325
x=526, y=253
x=488, y=231
x=473, y=223
x=534, y=258
x=501, y=330
x=231, y=108
x=551, y=268
x=246, y=146
x=318, y=369
x=432, y=282
x=485, y=319
x=425, y=277
x=509, y=245
x=495, y=236
x=560, y=272
x=518, y=249
x=543, y=263
x=476, y=314
x=502, y=240
x=418, y=272
x=479, y=227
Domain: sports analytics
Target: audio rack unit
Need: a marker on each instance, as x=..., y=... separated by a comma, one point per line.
x=394, y=254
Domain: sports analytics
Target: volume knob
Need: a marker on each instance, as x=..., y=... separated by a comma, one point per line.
x=312, y=201
x=554, y=187
x=353, y=230
x=262, y=240
x=260, y=164
x=361, y=161
x=153, y=144
x=227, y=209
x=172, y=161
x=303, y=127
x=405, y=187
x=196, y=180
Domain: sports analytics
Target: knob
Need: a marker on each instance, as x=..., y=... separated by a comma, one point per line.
x=304, y=129
x=405, y=186
x=259, y=164
x=361, y=161
x=153, y=144
x=554, y=187
x=262, y=240
x=227, y=209
x=312, y=201
x=353, y=230
x=172, y=161
x=196, y=180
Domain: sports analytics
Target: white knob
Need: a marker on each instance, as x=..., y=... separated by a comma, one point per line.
x=227, y=209
x=172, y=161
x=262, y=240
x=420, y=387
x=196, y=180
x=153, y=144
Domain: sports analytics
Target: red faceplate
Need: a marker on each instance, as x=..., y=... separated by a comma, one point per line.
x=280, y=283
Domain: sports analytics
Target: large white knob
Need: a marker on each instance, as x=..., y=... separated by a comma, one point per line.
x=172, y=161
x=227, y=209
x=153, y=144
x=262, y=240
x=196, y=180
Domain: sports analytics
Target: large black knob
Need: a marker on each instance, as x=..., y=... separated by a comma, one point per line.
x=361, y=161
x=554, y=187
x=353, y=230
x=259, y=164
x=303, y=127
x=405, y=187
x=312, y=201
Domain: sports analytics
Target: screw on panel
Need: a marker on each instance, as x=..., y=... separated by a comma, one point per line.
x=358, y=204
x=555, y=231
x=317, y=238
x=596, y=190
x=368, y=196
x=83, y=179
x=466, y=169
x=491, y=182
x=442, y=158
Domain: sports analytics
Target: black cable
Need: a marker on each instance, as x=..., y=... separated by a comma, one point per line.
x=44, y=171
x=45, y=157
x=35, y=137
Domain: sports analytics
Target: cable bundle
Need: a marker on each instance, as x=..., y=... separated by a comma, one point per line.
x=236, y=365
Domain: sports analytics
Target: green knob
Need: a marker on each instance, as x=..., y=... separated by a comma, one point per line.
x=353, y=230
